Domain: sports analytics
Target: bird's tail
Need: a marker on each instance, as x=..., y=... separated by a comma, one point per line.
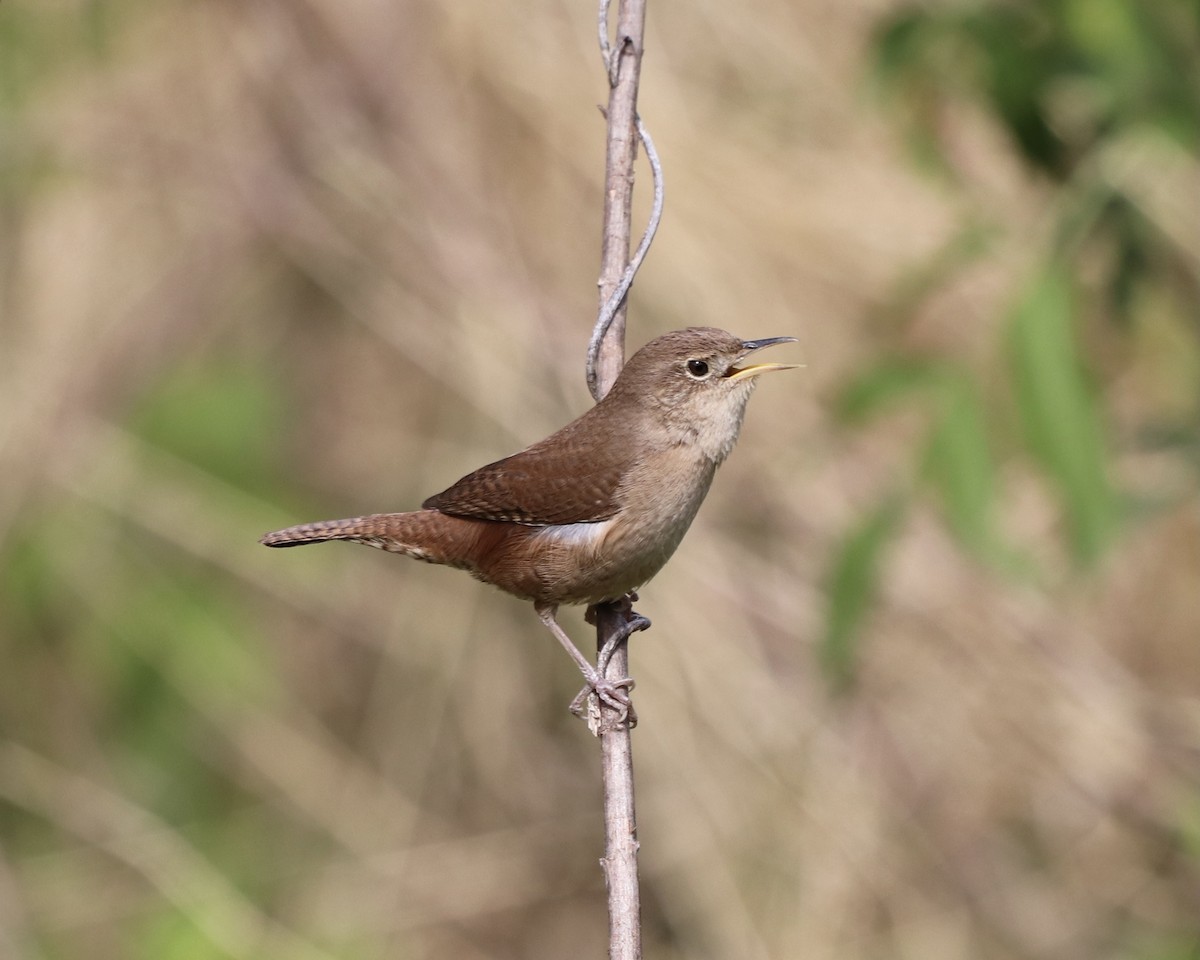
x=424, y=534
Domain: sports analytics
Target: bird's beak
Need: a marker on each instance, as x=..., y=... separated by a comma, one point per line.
x=739, y=372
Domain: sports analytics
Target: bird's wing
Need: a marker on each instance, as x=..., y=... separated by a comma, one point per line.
x=566, y=478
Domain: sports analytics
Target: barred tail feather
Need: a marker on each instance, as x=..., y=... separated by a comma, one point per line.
x=318, y=532
x=423, y=534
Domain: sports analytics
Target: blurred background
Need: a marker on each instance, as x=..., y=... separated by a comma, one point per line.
x=924, y=679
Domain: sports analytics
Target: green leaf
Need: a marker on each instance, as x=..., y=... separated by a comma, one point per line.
x=882, y=386
x=853, y=585
x=1060, y=418
x=218, y=414
x=171, y=934
x=959, y=464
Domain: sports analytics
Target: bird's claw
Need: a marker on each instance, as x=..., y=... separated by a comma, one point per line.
x=613, y=694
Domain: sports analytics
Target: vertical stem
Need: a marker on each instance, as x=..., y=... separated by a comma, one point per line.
x=620, y=818
x=625, y=69
x=620, y=822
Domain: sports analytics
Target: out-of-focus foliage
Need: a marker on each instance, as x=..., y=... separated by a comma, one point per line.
x=1093, y=95
x=263, y=262
x=853, y=582
x=1062, y=77
x=1059, y=416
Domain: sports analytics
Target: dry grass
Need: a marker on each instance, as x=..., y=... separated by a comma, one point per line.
x=380, y=223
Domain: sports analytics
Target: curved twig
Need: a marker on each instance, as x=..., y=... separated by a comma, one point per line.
x=609, y=310
x=610, y=67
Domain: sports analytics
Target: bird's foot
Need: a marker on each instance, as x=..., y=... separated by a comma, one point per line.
x=612, y=693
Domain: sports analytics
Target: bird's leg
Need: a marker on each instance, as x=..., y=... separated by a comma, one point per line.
x=633, y=622
x=612, y=692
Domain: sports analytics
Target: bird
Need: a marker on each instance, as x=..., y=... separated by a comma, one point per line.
x=589, y=514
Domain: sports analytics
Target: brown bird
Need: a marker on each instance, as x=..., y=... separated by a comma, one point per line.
x=592, y=512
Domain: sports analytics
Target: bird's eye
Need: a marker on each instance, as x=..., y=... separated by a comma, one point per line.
x=698, y=369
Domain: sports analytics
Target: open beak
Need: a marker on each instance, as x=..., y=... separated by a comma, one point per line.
x=739, y=371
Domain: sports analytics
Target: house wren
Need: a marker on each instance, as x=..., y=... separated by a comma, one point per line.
x=592, y=512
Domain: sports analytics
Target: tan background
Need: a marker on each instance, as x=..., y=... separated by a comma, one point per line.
x=268, y=262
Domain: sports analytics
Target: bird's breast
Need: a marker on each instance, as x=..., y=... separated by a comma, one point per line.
x=658, y=500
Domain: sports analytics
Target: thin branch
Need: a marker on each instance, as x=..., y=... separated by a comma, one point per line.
x=610, y=66
x=622, y=61
x=620, y=863
x=606, y=355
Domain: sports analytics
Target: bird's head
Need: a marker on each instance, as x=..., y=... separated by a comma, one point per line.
x=698, y=381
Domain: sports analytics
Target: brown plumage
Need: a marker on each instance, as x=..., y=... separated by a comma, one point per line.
x=593, y=511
